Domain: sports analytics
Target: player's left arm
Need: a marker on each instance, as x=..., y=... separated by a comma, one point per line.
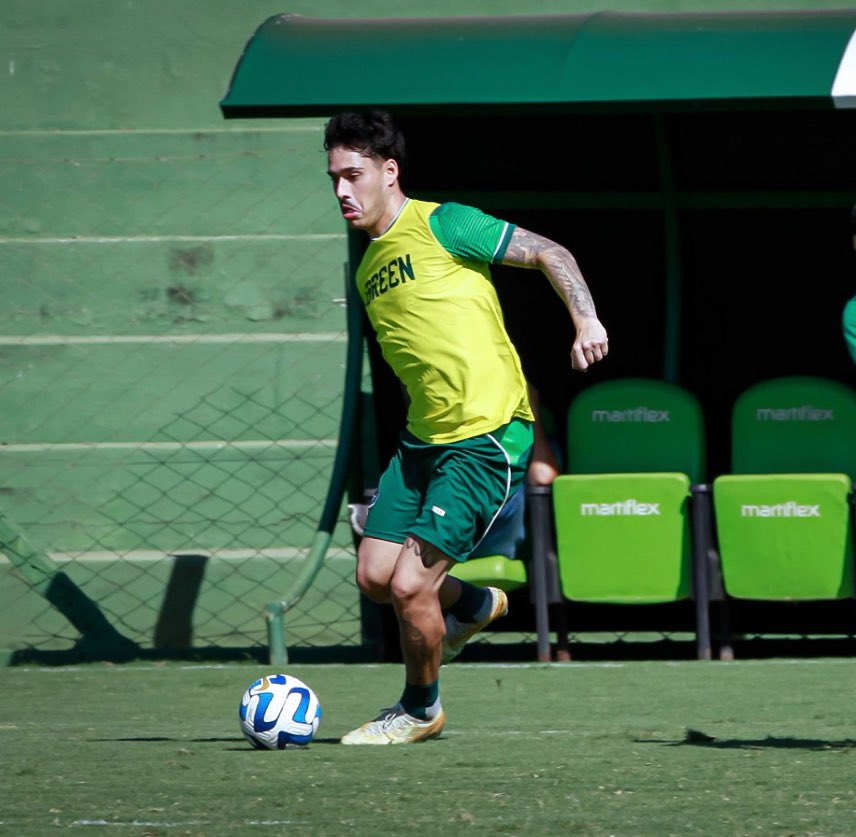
x=528, y=249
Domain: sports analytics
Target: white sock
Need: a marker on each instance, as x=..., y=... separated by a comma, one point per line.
x=433, y=710
x=486, y=608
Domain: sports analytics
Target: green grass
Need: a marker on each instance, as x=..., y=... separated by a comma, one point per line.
x=627, y=749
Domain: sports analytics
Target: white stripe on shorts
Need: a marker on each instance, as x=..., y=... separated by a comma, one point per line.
x=507, y=490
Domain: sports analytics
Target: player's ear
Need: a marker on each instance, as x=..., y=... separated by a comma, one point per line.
x=390, y=171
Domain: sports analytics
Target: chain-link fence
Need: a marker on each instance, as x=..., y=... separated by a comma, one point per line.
x=172, y=349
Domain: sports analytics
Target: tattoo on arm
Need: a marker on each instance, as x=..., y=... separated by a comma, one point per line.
x=523, y=248
x=528, y=249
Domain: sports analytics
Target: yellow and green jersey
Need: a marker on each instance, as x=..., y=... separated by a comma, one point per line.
x=426, y=286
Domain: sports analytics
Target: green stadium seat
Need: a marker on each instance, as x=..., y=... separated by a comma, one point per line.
x=494, y=571
x=783, y=516
x=623, y=538
x=632, y=520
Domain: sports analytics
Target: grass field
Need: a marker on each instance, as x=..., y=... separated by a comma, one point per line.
x=625, y=748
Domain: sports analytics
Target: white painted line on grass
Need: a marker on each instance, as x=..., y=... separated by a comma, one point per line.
x=275, y=822
x=138, y=823
x=142, y=669
x=539, y=665
x=570, y=667
x=168, y=824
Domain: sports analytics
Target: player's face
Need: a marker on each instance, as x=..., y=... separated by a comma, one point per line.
x=363, y=187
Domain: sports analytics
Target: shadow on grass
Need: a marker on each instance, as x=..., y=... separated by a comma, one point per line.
x=695, y=738
x=154, y=739
x=159, y=739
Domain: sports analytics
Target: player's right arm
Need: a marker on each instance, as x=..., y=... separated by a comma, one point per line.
x=528, y=249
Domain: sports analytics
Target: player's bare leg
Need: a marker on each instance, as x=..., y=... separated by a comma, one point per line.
x=414, y=588
x=376, y=560
x=375, y=564
x=419, y=574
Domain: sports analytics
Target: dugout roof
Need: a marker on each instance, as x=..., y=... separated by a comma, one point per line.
x=295, y=66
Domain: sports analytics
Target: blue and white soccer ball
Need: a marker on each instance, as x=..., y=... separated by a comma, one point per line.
x=278, y=712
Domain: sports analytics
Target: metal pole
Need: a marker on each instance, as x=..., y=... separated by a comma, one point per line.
x=538, y=497
x=702, y=537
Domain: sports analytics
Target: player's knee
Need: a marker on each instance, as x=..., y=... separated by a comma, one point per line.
x=372, y=577
x=372, y=586
x=406, y=589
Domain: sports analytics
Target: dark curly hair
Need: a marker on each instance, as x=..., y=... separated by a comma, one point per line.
x=372, y=133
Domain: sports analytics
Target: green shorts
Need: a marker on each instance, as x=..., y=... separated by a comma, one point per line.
x=450, y=494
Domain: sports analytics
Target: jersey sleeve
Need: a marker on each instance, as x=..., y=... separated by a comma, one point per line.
x=849, y=323
x=469, y=233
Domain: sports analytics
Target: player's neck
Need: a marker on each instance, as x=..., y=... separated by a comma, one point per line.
x=395, y=206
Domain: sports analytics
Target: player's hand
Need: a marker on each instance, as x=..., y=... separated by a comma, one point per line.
x=591, y=344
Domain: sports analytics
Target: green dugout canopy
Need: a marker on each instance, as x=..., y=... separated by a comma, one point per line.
x=294, y=66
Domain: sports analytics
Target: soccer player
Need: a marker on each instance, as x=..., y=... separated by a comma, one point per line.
x=425, y=282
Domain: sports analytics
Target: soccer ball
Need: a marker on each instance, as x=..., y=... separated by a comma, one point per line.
x=278, y=712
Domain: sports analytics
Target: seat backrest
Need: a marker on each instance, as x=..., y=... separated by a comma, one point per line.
x=636, y=425
x=623, y=538
x=795, y=425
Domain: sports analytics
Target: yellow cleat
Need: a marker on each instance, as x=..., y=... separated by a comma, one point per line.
x=458, y=634
x=395, y=726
